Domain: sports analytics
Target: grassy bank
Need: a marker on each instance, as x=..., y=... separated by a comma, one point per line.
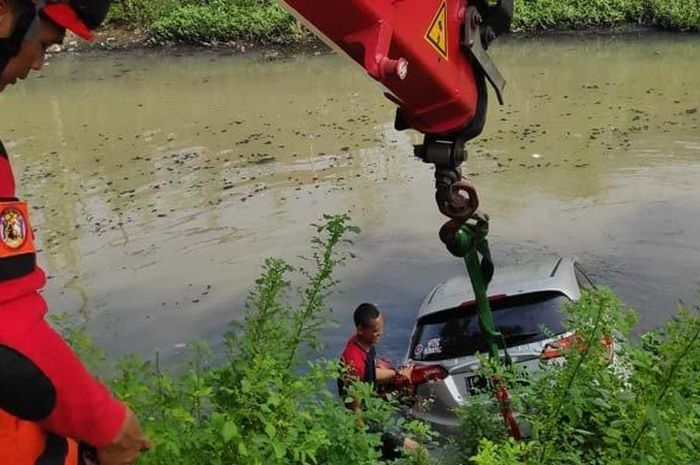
x=543, y=15
x=265, y=21
x=197, y=22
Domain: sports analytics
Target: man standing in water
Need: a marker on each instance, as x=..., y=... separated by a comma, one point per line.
x=359, y=358
x=46, y=394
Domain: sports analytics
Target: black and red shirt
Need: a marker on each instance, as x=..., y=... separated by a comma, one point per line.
x=41, y=379
x=360, y=364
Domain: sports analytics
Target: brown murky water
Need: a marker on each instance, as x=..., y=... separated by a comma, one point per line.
x=159, y=183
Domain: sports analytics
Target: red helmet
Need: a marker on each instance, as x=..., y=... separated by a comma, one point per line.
x=78, y=16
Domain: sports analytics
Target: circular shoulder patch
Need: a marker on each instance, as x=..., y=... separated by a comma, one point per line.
x=13, y=228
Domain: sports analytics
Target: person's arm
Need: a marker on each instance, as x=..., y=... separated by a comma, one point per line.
x=44, y=381
x=386, y=375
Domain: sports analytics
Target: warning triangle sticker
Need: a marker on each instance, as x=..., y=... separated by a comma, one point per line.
x=437, y=32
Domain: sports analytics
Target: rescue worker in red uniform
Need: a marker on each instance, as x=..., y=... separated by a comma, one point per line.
x=46, y=394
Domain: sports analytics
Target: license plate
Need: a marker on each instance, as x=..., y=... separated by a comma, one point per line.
x=477, y=384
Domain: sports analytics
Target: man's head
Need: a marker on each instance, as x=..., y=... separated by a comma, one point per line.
x=31, y=53
x=31, y=26
x=369, y=323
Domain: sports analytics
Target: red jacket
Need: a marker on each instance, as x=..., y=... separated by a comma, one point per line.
x=41, y=379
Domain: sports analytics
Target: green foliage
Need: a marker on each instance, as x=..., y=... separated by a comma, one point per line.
x=206, y=21
x=423, y=434
x=263, y=404
x=191, y=21
x=506, y=453
x=682, y=15
x=140, y=13
x=480, y=421
x=533, y=15
x=643, y=408
x=225, y=21
x=540, y=15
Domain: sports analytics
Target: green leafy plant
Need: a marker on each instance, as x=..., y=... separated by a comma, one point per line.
x=265, y=21
x=541, y=15
x=642, y=408
x=223, y=21
x=533, y=15
x=679, y=15
x=263, y=404
x=140, y=13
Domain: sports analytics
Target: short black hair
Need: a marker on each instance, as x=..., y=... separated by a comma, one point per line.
x=20, y=6
x=365, y=314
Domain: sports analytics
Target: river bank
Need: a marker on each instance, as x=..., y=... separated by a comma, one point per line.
x=242, y=25
x=120, y=39
x=265, y=21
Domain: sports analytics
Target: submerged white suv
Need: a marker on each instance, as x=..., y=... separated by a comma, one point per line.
x=526, y=301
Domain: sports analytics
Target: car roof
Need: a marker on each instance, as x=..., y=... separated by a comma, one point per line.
x=556, y=274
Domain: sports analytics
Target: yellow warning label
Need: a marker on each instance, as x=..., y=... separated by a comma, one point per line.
x=437, y=32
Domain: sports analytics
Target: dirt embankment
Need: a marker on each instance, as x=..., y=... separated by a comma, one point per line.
x=119, y=38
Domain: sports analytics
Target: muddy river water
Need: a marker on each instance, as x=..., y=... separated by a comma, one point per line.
x=159, y=183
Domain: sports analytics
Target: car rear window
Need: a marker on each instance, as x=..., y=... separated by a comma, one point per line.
x=455, y=332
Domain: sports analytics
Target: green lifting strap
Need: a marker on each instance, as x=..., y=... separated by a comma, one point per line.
x=471, y=243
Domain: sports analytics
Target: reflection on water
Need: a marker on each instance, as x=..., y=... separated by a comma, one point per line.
x=159, y=183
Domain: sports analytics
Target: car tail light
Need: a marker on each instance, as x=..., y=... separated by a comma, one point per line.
x=557, y=348
x=425, y=373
